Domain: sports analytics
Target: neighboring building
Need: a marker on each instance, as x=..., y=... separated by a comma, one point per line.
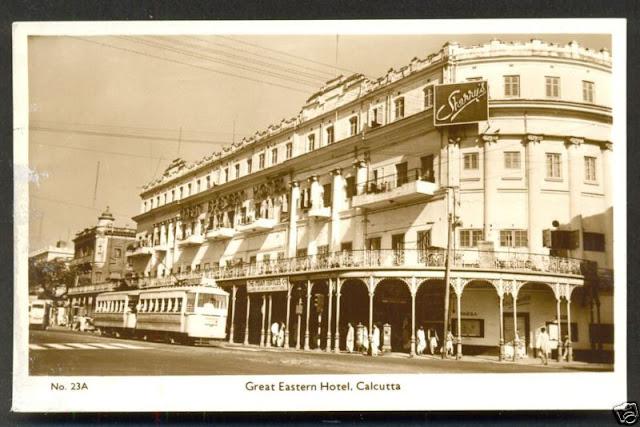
x=59, y=251
x=351, y=199
x=100, y=257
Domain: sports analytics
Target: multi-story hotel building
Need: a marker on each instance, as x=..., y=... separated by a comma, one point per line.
x=340, y=214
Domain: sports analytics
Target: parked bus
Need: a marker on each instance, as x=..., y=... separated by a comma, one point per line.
x=39, y=312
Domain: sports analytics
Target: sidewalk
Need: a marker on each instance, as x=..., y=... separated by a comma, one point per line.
x=527, y=361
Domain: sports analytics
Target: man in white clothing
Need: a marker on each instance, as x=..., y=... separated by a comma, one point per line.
x=275, y=329
x=543, y=345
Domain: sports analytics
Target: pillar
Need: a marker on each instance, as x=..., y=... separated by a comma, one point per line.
x=535, y=175
x=286, y=322
x=358, y=218
x=232, y=309
x=337, y=198
x=329, y=307
x=308, y=310
x=269, y=336
x=607, y=179
x=246, y=326
x=491, y=163
x=293, y=220
x=501, y=342
x=315, y=190
x=263, y=312
x=558, y=319
x=569, y=343
x=459, y=321
x=414, y=291
x=576, y=174
x=336, y=336
x=516, y=340
x=371, y=294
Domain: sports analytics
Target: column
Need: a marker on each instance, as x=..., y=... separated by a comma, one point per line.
x=263, y=312
x=516, y=341
x=337, y=199
x=336, y=336
x=558, y=319
x=490, y=178
x=371, y=294
x=501, y=342
x=293, y=220
x=330, y=297
x=535, y=174
x=569, y=343
x=246, y=326
x=414, y=291
x=576, y=171
x=286, y=322
x=312, y=226
x=358, y=218
x=232, y=309
x=308, y=310
x=459, y=321
x=607, y=179
x=269, y=336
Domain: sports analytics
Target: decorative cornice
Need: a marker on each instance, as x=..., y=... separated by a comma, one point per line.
x=359, y=164
x=490, y=139
x=455, y=141
x=573, y=140
x=607, y=145
x=532, y=138
x=336, y=171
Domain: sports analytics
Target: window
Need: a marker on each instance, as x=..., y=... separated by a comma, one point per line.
x=208, y=182
x=374, y=243
x=274, y=156
x=593, y=241
x=423, y=243
x=98, y=276
x=117, y=253
x=237, y=172
x=401, y=174
x=353, y=125
x=173, y=195
x=301, y=253
x=590, y=169
x=512, y=86
x=399, y=108
x=472, y=328
x=470, y=161
x=587, y=91
x=428, y=96
x=189, y=189
x=261, y=161
x=226, y=174
x=330, y=135
x=513, y=238
x=249, y=165
x=552, y=86
x=326, y=195
x=554, y=165
x=181, y=192
x=351, y=186
x=311, y=142
x=346, y=246
x=376, y=117
x=426, y=168
x=512, y=160
x=289, y=150
x=197, y=186
x=470, y=237
x=157, y=201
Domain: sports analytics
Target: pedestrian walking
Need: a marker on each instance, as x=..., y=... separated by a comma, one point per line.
x=543, y=345
x=280, y=340
x=433, y=341
x=375, y=341
x=422, y=341
x=449, y=344
x=365, y=339
x=275, y=330
x=565, y=347
x=350, y=337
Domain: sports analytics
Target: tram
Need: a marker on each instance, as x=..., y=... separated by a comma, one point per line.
x=177, y=314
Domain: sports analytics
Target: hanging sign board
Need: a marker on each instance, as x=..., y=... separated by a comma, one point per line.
x=461, y=103
x=268, y=285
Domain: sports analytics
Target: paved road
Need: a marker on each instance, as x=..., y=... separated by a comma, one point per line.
x=85, y=354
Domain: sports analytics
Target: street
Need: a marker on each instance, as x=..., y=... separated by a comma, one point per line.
x=61, y=352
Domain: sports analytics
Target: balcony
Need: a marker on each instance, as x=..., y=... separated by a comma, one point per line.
x=140, y=252
x=320, y=212
x=470, y=259
x=193, y=240
x=220, y=233
x=94, y=288
x=398, y=188
x=251, y=225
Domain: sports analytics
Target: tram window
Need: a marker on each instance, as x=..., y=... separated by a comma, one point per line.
x=163, y=304
x=170, y=304
x=178, y=304
x=191, y=300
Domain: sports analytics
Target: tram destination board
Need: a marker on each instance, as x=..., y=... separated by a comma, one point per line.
x=268, y=285
x=461, y=103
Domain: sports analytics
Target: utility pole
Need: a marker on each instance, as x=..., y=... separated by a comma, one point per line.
x=452, y=221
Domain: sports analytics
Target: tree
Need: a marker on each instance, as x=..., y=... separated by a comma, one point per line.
x=47, y=275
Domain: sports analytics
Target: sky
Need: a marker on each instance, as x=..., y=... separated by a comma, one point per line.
x=108, y=114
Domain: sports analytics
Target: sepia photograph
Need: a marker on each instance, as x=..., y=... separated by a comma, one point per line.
x=318, y=210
